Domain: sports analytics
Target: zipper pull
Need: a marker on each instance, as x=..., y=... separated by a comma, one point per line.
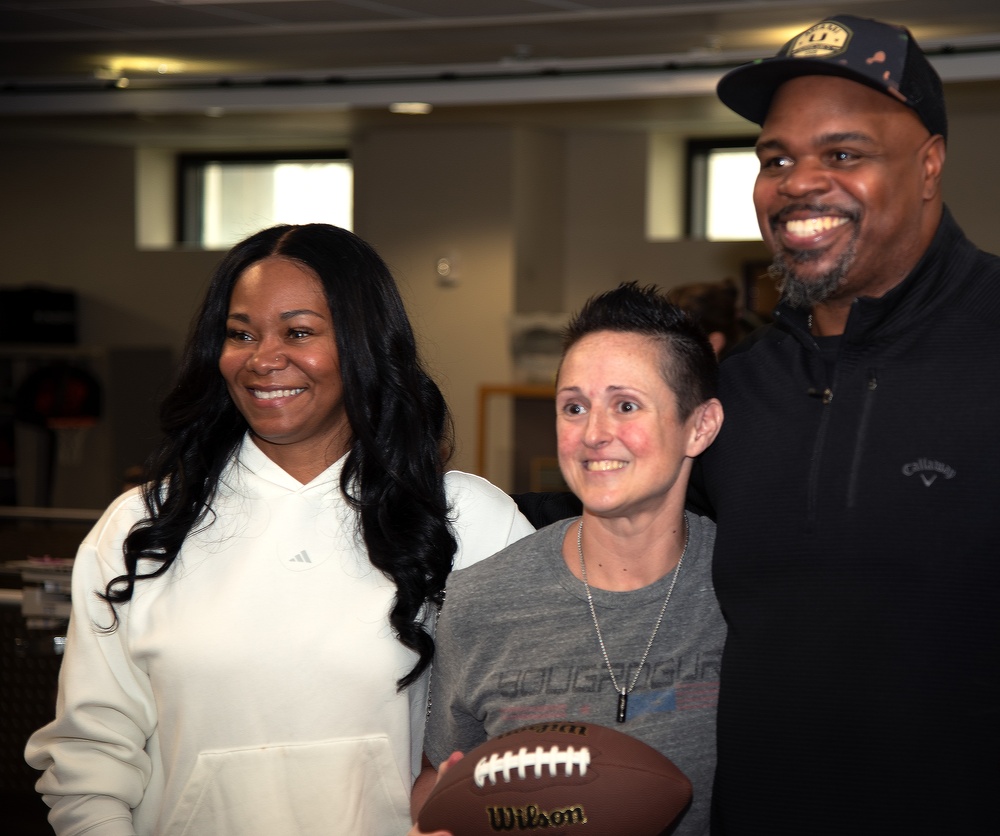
x=825, y=395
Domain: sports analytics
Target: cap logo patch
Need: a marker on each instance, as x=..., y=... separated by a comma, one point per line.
x=824, y=40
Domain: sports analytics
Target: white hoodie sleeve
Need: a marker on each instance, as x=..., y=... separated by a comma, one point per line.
x=486, y=520
x=96, y=768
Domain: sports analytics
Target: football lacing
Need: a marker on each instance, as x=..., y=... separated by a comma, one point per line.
x=537, y=760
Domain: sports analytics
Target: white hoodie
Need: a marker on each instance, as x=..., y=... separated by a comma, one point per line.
x=251, y=690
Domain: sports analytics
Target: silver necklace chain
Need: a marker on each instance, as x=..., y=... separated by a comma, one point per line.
x=622, y=691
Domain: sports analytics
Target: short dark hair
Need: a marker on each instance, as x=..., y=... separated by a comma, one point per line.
x=688, y=362
x=712, y=305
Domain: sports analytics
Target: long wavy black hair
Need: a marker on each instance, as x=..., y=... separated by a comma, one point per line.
x=401, y=432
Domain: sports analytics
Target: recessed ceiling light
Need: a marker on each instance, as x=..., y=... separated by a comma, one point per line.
x=418, y=108
x=114, y=66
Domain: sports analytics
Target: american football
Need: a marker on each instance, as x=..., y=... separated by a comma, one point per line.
x=567, y=777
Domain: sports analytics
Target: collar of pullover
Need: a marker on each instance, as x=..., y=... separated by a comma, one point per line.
x=251, y=458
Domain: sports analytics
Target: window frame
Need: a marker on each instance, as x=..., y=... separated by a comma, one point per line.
x=696, y=180
x=189, y=219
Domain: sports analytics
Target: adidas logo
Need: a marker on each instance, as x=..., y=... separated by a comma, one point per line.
x=301, y=557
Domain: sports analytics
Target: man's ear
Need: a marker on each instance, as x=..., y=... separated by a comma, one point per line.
x=934, y=155
x=705, y=426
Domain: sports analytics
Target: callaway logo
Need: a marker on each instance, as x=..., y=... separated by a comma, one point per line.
x=928, y=470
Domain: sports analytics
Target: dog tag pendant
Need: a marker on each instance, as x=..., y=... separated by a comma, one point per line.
x=622, y=705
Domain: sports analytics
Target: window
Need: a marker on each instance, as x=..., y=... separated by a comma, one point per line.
x=223, y=198
x=721, y=175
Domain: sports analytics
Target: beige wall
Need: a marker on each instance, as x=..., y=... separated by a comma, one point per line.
x=533, y=220
x=539, y=178
x=426, y=194
x=972, y=173
x=605, y=224
x=69, y=222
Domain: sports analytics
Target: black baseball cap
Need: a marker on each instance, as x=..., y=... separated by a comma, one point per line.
x=882, y=56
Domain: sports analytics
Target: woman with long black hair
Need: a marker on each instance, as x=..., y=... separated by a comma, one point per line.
x=251, y=633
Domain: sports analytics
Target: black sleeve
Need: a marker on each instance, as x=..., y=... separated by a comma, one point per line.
x=697, y=501
x=541, y=509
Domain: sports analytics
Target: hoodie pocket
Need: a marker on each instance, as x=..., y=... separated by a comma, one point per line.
x=347, y=786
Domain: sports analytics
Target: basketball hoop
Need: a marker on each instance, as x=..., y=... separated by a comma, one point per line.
x=70, y=439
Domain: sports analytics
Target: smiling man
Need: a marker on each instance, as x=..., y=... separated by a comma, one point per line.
x=855, y=480
x=848, y=195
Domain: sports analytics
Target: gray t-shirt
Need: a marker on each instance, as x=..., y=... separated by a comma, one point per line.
x=516, y=644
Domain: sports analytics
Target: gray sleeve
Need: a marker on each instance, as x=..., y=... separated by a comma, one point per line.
x=450, y=724
x=492, y=612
